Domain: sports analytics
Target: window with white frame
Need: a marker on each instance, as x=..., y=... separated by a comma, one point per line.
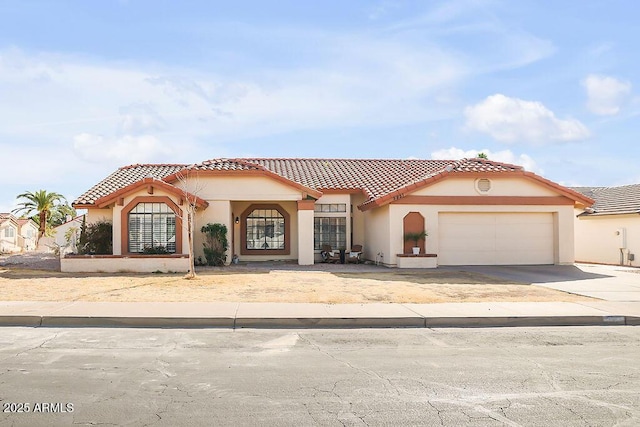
x=152, y=227
x=9, y=232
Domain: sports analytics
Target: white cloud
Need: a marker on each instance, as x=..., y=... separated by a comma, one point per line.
x=505, y=156
x=605, y=95
x=513, y=120
x=357, y=81
x=124, y=150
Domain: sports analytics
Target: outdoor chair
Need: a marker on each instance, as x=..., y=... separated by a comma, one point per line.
x=355, y=255
x=329, y=255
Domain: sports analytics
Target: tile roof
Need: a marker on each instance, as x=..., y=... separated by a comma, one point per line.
x=5, y=216
x=125, y=176
x=612, y=200
x=376, y=178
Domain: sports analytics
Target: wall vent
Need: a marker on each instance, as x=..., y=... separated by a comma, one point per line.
x=483, y=185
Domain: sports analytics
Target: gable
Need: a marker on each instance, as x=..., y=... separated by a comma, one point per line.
x=499, y=186
x=245, y=187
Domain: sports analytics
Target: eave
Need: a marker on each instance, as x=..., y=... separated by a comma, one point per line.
x=150, y=184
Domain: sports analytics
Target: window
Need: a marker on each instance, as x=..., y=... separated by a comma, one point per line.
x=152, y=226
x=9, y=232
x=330, y=207
x=29, y=233
x=265, y=230
x=330, y=231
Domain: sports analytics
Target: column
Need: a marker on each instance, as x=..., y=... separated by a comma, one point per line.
x=305, y=232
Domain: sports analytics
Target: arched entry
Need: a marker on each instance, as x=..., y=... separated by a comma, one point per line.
x=413, y=222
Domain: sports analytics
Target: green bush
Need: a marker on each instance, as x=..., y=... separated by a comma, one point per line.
x=155, y=250
x=215, y=243
x=96, y=238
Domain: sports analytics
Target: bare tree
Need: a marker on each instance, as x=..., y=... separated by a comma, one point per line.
x=190, y=188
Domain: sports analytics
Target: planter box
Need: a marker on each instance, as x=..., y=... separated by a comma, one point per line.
x=124, y=264
x=417, y=261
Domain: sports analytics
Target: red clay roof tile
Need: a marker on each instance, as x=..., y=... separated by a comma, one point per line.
x=376, y=178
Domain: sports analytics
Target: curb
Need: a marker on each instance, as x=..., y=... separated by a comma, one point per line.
x=330, y=322
x=315, y=323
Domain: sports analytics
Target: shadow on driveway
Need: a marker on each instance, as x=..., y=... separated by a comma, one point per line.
x=530, y=273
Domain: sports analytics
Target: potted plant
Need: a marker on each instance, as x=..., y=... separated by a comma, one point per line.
x=415, y=237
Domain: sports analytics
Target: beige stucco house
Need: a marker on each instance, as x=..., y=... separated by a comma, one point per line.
x=58, y=239
x=475, y=211
x=17, y=234
x=608, y=232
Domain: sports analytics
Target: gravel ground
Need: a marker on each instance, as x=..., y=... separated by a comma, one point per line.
x=31, y=261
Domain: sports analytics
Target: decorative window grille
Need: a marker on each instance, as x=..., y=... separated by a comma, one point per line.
x=265, y=230
x=330, y=207
x=152, y=227
x=330, y=231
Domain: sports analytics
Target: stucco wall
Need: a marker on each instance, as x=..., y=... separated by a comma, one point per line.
x=9, y=244
x=29, y=243
x=61, y=230
x=237, y=208
x=229, y=196
x=94, y=215
x=238, y=188
x=377, y=235
x=358, y=229
x=499, y=187
x=563, y=218
x=597, y=241
x=117, y=264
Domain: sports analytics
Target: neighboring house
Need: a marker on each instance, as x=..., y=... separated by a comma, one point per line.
x=60, y=233
x=609, y=231
x=8, y=233
x=16, y=234
x=475, y=211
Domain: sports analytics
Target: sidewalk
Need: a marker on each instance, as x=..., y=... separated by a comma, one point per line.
x=281, y=315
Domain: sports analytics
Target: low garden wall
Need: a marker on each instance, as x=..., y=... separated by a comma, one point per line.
x=417, y=261
x=124, y=264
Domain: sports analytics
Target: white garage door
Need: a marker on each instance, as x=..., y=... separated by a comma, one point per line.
x=495, y=238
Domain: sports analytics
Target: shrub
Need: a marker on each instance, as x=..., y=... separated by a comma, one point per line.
x=415, y=236
x=155, y=250
x=96, y=238
x=215, y=243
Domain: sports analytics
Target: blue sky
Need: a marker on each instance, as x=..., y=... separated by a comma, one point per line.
x=86, y=87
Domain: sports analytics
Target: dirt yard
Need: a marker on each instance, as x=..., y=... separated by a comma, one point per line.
x=320, y=284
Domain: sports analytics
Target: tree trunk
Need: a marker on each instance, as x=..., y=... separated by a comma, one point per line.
x=43, y=224
x=191, y=274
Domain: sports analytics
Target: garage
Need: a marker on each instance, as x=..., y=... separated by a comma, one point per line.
x=496, y=238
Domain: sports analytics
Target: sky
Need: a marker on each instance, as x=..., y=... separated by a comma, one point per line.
x=90, y=86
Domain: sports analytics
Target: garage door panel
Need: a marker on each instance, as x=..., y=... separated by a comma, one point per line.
x=495, y=238
x=524, y=218
x=468, y=245
x=464, y=221
x=471, y=257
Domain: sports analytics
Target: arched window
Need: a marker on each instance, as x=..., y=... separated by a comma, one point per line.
x=265, y=230
x=152, y=228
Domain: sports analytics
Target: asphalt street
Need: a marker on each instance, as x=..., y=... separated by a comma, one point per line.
x=587, y=376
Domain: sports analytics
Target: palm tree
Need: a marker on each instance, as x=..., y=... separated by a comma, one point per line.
x=40, y=202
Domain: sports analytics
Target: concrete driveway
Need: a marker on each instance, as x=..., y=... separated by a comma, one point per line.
x=606, y=282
